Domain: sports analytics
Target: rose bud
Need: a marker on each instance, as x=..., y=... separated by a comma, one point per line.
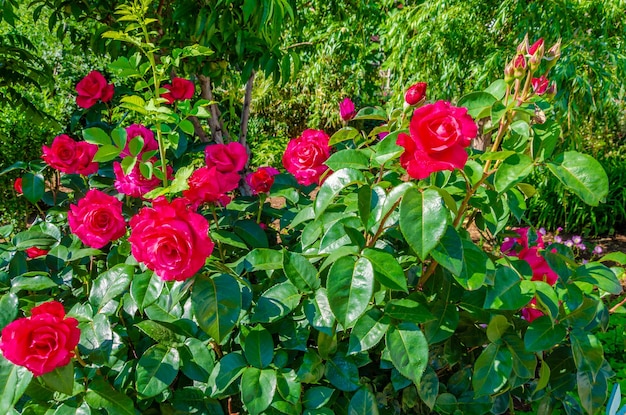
x=415, y=93
x=519, y=66
x=346, y=109
x=540, y=85
x=17, y=185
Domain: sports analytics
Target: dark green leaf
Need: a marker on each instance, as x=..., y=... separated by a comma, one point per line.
x=60, y=379
x=36, y=283
x=258, y=347
x=26, y=239
x=257, y=389
x=408, y=350
x=387, y=270
x=476, y=266
x=316, y=397
x=264, y=259
x=543, y=335
x=216, y=303
x=156, y=370
x=368, y=331
x=363, y=402
x=449, y=251
x=428, y=389
x=350, y=287
x=110, y=284
x=423, y=220
x=276, y=303
x=491, y=370
x=160, y=334
x=251, y=233
x=509, y=290
x=342, y=373
x=587, y=351
x=33, y=186
x=406, y=309
x=101, y=395
x=8, y=309
x=300, y=272
x=226, y=371
x=145, y=289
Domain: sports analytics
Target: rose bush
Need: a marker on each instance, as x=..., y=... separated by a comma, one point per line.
x=365, y=294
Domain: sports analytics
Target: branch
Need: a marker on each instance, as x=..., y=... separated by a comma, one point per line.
x=245, y=116
x=214, y=122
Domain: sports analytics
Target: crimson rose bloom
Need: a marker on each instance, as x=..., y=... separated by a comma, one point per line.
x=261, y=181
x=138, y=130
x=305, y=156
x=69, y=156
x=440, y=133
x=170, y=239
x=180, y=90
x=92, y=88
x=209, y=185
x=97, y=219
x=227, y=158
x=17, y=185
x=43, y=341
x=34, y=252
x=135, y=184
x=346, y=109
x=415, y=93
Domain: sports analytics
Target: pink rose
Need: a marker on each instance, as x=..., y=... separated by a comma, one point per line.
x=439, y=135
x=415, y=93
x=179, y=90
x=97, y=219
x=261, y=181
x=346, y=109
x=305, y=156
x=531, y=312
x=92, y=88
x=209, y=185
x=69, y=156
x=170, y=239
x=135, y=184
x=539, y=265
x=34, y=252
x=540, y=85
x=17, y=185
x=138, y=130
x=42, y=342
x=227, y=158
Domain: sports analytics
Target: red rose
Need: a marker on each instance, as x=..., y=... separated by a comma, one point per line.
x=540, y=85
x=170, y=239
x=17, y=185
x=539, y=265
x=530, y=312
x=261, y=181
x=180, y=90
x=34, y=252
x=69, y=156
x=415, y=93
x=346, y=109
x=209, y=185
x=43, y=341
x=439, y=135
x=227, y=158
x=97, y=219
x=138, y=130
x=305, y=156
x=92, y=88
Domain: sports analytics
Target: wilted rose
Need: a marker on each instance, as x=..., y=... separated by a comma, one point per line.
x=439, y=134
x=42, y=342
x=92, y=88
x=97, y=219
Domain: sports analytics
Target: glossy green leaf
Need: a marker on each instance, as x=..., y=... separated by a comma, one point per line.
x=478, y=104
x=196, y=359
x=353, y=159
x=156, y=370
x=276, y=302
x=251, y=233
x=428, y=388
x=300, y=271
x=263, y=259
x=73, y=408
x=497, y=327
x=33, y=186
x=35, y=283
x=476, y=266
x=257, y=389
x=110, y=284
x=160, y=333
x=449, y=251
x=13, y=383
x=312, y=368
x=405, y=309
x=509, y=291
x=227, y=370
x=368, y=331
x=492, y=370
x=408, y=350
x=371, y=113
x=387, y=270
x=543, y=335
x=546, y=136
x=587, y=351
x=363, y=402
x=118, y=135
x=342, y=373
x=343, y=134
x=423, y=220
x=598, y=275
x=106, y=153
x=316, y=397
x=216, y=303
x=8, y=309
x=60, y=379
x=336, y=182
x=258, y=347
x=524, y=362
x=145, y=289
x=26, y=239
x=95, y=135
x=101, y=395
x=592, y=390
x=350, y=287
x=317, y=310
x=512, y=171
x=581, y=174
x=445, y=322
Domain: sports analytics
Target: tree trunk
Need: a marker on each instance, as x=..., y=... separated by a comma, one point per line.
x=217, y=129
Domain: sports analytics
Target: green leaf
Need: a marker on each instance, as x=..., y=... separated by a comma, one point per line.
x=316, y=397
x=300, y=272
x=226, y=371
x=408, y=350
x=428, y=389
x=60, y=379
x=543, y=335
x=423, y=220
x=263, y=259
x=350, y=287
x=545, y=139
x=587, y=352
x=101, y=395
x=36, y=283
x=387, y=149
x=8, y=309
x=71, y=407
x=342, y=373
x=497, y=327
x=227, y=238
x=353, y=159
x=592, y=391
x=449, y=251
x=492, y=370
x=581, y=174
x=363, y=402
x=26, y=239
x=251, y=233
x=160, y=334
x=312, y=368
x=387, y=270
x=110, y=284
x=368, y=331
x=197, y=359
x=405, y=309
x=95, y=135
x=156, y=370
x=598, y=275
x=371, y=113
x=476, y=266
x=446, y=320
x=257, y=389
x=136, y=145
x=343, y=134
x=33, y=187
x=145, y=289
x=276, y=303
x=107, y=153
x=334, y=184
x=13, y=383
x=509, y=290
x=258, y=347
x=524, y=362
x=512, y=171
x=318, y=312
x=216, y=303
x=478, y=104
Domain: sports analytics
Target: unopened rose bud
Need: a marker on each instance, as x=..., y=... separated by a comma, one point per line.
x=509, y=73
x=536, y=52
x=553, y=54
x=346, y=109
x=415, y=93
x=17, y=185
x=540, y=85
x=551, y=91
x=534, y=48
x=519, y=66
x=522, y=48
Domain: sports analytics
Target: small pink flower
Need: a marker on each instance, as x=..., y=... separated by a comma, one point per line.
x=346, y=109
x=598, y=250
